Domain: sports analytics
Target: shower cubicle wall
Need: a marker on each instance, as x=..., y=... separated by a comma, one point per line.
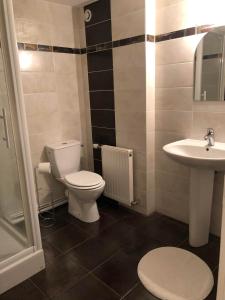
x=21, y=253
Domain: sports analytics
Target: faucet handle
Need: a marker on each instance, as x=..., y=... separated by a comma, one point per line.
x=210, y=131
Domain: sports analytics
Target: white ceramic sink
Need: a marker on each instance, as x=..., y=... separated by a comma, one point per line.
x=196, y=153
x=204, y=161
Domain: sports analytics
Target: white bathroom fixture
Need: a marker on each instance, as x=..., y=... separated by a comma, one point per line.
x=171, y=273
x=84, y=187
x=204, y=161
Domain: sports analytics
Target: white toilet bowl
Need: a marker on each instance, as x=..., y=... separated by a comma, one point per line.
x=84, y=189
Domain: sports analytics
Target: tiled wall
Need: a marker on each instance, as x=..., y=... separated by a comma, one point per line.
x=128, y=19
x=177, y=116
x=100, y=76
x=117, y=87
x=49, y=80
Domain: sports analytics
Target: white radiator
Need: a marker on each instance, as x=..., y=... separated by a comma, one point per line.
x=117, y=166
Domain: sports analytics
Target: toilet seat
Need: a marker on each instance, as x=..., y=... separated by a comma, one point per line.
x=171, y=273
x=84, y=180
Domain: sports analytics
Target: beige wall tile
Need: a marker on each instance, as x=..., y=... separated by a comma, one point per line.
x=173, y=205
x=164, y=137
x=204, y=120
x=123, y=56
x=175, y=17
x=174, y=121
x=64, y=63
x=35, y=61
x=41, y=103
x=119, y=8
x=129, y=25
x=38, y=82
x=174, y=75
x=33, y=32
x=130, y=121
x=131, y=140
x=130, y=101
x=167, y=51
x=34, y=10
x=179, y=99
x=62, y=25
x=49, y=80
x=164, y=163
x=66, y=83
x=129, y=80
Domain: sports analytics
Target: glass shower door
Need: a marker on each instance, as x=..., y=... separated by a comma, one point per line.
x=13, y=228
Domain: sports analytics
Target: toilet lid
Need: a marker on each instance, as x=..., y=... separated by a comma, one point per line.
x=172, y=273
x=84, y=179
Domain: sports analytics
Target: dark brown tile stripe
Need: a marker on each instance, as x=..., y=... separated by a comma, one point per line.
x=90, y=49
x=175, y=34
x=63, y=50
x=119, y=43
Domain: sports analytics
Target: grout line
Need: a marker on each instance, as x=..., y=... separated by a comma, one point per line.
x=38, y=288
x=106, y=285
x=100, y=71
x=91, y=91
x=128, y=292
x=100, y=22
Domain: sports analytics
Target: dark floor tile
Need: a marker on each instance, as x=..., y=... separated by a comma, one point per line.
x=209, y=253
x=96, y=227
x=165, y=230
x=136, y=220
x=96, y=250
x=140, y=293
x=59, y=276
x=120, y=272
x=212, y=295
x=50, y=252
x=113, y=209
x=88, y=288
x=50, y=227
x=24, y=291
x=61, y=210
x=67, y=237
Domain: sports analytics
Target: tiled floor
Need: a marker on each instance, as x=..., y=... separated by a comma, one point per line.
x=99, y=260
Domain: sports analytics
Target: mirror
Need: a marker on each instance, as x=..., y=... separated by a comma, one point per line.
x=209, y=68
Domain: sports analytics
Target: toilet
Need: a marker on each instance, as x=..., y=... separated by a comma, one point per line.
x=84, y=187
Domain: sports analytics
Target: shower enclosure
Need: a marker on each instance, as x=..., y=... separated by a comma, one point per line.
x=21, y=253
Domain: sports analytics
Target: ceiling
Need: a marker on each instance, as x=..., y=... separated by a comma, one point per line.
x=71, y=2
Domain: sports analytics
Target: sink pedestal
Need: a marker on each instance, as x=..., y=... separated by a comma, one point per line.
x=201, y=194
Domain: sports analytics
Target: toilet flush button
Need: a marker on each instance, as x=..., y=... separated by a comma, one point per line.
x=172, y=273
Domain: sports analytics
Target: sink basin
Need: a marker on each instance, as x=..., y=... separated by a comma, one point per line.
x=196, y=153
x=204, y=161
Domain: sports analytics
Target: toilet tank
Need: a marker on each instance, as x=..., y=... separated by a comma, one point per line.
x=64, y=157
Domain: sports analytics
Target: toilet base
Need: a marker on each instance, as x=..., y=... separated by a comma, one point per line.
x=84, y=211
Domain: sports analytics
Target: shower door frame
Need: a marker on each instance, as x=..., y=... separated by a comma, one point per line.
x=30, y=260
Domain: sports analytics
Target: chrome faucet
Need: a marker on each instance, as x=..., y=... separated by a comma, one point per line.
x=210, y=137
